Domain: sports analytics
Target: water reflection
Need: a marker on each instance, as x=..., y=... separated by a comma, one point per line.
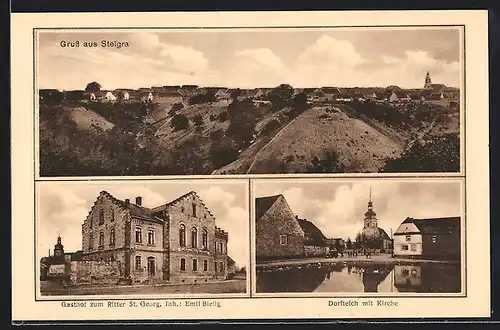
x=360, y=277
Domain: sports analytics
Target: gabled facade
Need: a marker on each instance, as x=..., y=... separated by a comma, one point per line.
x=282, y=235
x=437, y=238
x=174, y=242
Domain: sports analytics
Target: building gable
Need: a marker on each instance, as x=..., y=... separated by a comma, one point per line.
x=407, y=228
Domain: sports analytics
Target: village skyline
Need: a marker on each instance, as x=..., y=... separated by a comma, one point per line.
x=62, y=208
x=252, y=59
x=338, y=209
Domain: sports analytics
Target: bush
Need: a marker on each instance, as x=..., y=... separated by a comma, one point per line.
x=203, y=98
x=271, y=126
x=198, y=120
x=440, y=154
x=222, y=152
x=329, y=164
x=179, y=122
x=222, y=116
x=175, y=108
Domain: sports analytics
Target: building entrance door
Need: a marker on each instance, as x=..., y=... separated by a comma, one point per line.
x=151, y=267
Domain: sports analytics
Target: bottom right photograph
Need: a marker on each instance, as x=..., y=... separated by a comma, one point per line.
x=359, y=236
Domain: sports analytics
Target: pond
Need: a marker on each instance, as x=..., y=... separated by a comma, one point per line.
x=361, y=277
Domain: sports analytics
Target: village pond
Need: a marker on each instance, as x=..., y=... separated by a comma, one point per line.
x=351, y=277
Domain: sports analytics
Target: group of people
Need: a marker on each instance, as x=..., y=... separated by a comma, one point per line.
x=352, y=253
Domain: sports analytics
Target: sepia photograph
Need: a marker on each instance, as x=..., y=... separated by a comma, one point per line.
x=148, y=237
x=380, y=236
x=248, y=101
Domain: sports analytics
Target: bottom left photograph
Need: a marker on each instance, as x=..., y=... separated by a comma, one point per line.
x=142, y=237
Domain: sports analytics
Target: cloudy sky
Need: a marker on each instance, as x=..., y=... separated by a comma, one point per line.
x=63, y=206
x=252, y=58
x=337, y=208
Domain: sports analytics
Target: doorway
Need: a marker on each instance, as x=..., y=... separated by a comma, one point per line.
x=151, y=267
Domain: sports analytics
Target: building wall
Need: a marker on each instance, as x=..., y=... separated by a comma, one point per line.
x=141, y=274
x=412, y=241
x=279, y=220
x=116, y=221
x=408, y=275
x=446, y=246
x=179, y=213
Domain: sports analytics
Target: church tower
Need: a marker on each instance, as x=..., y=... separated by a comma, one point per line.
x=370, y=215
x=428, y=81
x=58, y=248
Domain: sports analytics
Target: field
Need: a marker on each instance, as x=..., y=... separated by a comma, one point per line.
x=285, y=134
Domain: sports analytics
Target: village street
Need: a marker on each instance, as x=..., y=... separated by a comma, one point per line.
x=49, y=288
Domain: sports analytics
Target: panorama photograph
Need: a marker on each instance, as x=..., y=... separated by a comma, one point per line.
x=248, y=101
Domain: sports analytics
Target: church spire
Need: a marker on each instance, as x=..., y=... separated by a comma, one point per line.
x=370, y=203
x=428, y=81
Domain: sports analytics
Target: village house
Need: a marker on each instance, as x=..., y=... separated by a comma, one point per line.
x=435, y=238
x=315, y=243
x=108, y=96
x=398, y=96
x=338, y=244
x=282, y=235
x=223, y=94
x=174, y=242
x=50, y=95
x=344, y=97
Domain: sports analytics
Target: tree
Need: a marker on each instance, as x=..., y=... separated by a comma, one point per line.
x=198, y=120
x=93, y=87
x=175, y=108
x=280, y=96
x=349, y=243
x=179, y=122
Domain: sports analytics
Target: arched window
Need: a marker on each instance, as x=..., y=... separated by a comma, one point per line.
x=183, y=264
x=112, y=215
x=101, y=217
x=182, y=235
x=204, y=239
x=194, y=237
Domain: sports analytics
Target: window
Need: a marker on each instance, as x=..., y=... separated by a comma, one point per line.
x=283, y=240
x=405, y=272
x=204, y=239
x=151, y=237
x=112, y=215
x=194, y=209
x=138, y=265
x=221, y=266
x=408, y=238
x=182, y=209
x=112, y=237
x=220, y=248
x=404, y=247
x=205, y=265
x=195, y=265
x=101, y=217
x=101, y=239
x=434, y=238
x=194, y=237
x=91, y=242
x=183, y=264
x=414, y=247
x=138, y=235
x=182, y=235
x=216, y=268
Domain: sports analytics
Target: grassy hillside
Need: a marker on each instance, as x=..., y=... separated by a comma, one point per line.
x=283, y=134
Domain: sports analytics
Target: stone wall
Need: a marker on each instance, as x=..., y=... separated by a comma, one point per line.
x=315, y=251
x=279, y=220
x=94, y=272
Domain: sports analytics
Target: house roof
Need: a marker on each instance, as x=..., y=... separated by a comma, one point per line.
x=401, y=94
x=330, y=90
x=435, y=225
x=416, y=96
x=263, y=204
x=230, y=261
x=135, y=210
x=436, y=88
x=316, y=236
x=383, y=233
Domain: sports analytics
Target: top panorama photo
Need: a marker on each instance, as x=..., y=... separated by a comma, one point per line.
x=248, y=101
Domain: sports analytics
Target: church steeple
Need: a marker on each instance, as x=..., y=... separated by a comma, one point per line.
x=370, y=215
x=428, y=81
x=58, y=248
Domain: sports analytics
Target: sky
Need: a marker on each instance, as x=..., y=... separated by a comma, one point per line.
x=63, y=206
x=337, y=208
x=348, y=57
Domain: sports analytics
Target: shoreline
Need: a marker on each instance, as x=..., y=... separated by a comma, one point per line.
x=387, y=260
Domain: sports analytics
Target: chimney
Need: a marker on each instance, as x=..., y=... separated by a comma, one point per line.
x=127, y=202
x=297, y=217
x=138, y=200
